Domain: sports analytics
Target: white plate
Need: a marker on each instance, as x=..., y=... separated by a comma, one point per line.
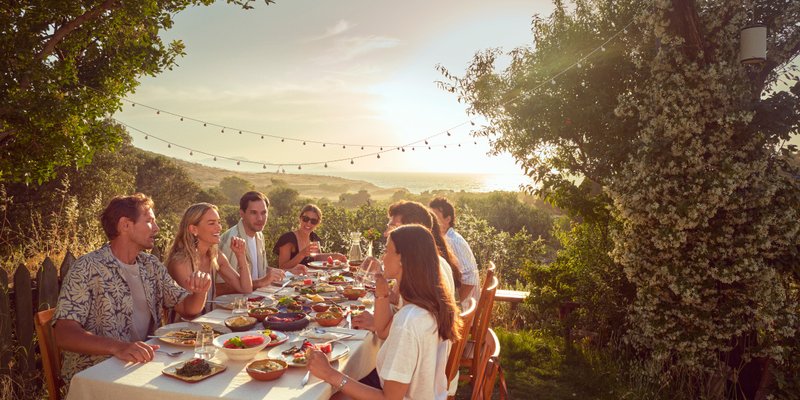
x=189, y=326
x=340, y=350
x=226, y=300
x=281, y=339
x=325, y=265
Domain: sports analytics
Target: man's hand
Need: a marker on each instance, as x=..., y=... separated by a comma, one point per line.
x=365, y=320
x=299, y=269
x=198, y=282
x=276, y=274
x=238, y=246
x=139, y=352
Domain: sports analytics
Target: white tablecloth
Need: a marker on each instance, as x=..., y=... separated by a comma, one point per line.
x=116, y=380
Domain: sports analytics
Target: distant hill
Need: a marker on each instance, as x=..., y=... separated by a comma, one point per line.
x=312, y=186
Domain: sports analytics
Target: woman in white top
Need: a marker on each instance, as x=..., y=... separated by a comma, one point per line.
x=411, y=363
x=195, y=248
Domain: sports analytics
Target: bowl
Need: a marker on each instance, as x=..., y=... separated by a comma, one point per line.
x=260, y=313
x=353, y=294
x=238, y=354
x=328, y=318
x=320, y=307
x=292, y=321
x=240, y=323
x=255, y=371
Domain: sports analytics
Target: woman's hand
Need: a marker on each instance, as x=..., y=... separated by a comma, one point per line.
x=365, y=321
x=381, y=285
x=238, y=247
x=318, y=364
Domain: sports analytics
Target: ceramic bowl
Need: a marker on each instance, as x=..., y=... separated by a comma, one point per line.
x=240, y=323
x=262, y=312
x=328, y=318
x=255, y=372
x=298, y=321
x=240, y=354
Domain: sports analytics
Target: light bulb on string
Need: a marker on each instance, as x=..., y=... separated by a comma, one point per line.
x=158, y=112
x=429, y=147
x=379, y=156
x=323, y=145
x=284, y=170
x=362, y=147
x=326, y=165
x=299, y=167
x=191, y=153
x=602, y=48
x=283, y=140
x=133, y=104
x=222, y=130
x=145, y=137
x=381, y=148
x=426, y=142
x=181, y=118
x=403, y=149
x=472, y=122
x=344, y=147
x=204, y=124
x=262, y=136
x=459, y=145
x=240, y=132
x=238, y=163
x=264, y=166
x=445, y=146
x=552, y=81
x=215, y=158
x=304, y=143
x=352, y=162
x=448, y=133
x=169, y=146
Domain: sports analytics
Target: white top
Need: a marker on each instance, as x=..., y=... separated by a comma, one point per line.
x=253, y=250
x=141, y=312
x=469, y=268
x=415, y=354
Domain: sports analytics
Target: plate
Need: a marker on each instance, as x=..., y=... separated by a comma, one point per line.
x=347, y=280
x=325, y=265
x=185, y=332
x=296, y=281
x=254, y=300
x=340, y=350
x=215, y=369
x=281, y=339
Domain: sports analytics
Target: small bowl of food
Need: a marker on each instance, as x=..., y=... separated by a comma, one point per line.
x=320, y=307
x=241, y=346
x=353, y=294
x=328, y=318
x=260, y=313
x=241, y=323
x=267, y=369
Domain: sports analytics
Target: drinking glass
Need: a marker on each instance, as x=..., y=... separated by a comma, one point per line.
x=239, y=306
x=204, y=344
x=365, y=276
x=315, y=250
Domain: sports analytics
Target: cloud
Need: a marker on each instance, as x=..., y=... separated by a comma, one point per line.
x=346, y=49
x=340, y=27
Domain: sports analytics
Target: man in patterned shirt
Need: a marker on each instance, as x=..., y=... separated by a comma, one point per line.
x=446, y=215
x=112, y=298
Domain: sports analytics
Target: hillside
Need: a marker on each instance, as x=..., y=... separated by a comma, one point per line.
x=313, y=186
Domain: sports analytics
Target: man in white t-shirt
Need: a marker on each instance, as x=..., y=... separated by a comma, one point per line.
x=253, y=215
x=470, y=281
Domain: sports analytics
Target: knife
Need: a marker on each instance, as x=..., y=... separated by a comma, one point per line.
x=349, y=321
x=305, y=379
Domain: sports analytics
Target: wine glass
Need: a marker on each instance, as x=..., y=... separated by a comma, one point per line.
x=315, y=249
x=365, y=276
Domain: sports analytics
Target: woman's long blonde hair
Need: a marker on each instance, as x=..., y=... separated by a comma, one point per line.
x=184, y=247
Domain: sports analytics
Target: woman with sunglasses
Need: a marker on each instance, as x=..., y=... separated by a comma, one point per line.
x=297, y=247
x=411, y=362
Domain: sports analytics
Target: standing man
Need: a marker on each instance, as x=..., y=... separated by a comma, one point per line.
x=253, y=215
x=112, y=298
x=446, y=215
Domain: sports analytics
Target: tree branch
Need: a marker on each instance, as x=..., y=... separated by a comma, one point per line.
x=70, y=26
x=686, y=22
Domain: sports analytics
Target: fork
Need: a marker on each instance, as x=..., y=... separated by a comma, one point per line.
x=170, y=353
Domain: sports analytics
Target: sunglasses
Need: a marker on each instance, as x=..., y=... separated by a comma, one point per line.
x=313, y=221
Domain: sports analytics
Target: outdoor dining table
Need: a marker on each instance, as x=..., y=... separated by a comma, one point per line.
x=118, y=380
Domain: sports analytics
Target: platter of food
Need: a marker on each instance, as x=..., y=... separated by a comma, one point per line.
x=253, y=300
x=295, y=355
x=194, y=370
x=330, y=264
x=185, y=333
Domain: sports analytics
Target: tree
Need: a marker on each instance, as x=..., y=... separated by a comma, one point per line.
x=234, y=187
x=282, y=199
x=681, y=145
x=67, y=64
x=355, y=199
x=169, y=185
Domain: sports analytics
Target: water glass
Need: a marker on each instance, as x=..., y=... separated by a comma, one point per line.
x=204, y=344
x=239, y=306
x=315, y=250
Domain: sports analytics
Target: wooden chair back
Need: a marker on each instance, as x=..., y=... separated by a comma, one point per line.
x=480, y=324
x=490, y=271
x=489, y=348
x=51, y=354
x=457, y=348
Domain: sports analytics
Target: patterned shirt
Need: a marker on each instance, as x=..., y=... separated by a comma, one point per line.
x=95, y=294
x=469, y=267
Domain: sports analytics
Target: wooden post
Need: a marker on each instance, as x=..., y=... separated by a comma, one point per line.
x=69, y=259
x=6, y=347
x=47, y=280
x=24, y=309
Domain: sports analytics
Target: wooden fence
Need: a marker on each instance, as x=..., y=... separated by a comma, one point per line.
x=20, y=299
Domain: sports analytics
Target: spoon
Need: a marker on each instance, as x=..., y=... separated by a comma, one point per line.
x=170, y=353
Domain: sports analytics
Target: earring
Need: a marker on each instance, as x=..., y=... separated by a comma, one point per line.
x=196, y=241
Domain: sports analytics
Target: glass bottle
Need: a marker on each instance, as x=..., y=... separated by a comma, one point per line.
x=354, y=255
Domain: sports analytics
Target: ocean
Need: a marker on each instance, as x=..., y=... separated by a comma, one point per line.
x=418, y=182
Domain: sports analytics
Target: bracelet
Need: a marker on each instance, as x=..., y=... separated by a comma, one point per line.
x=386, y=296
x=341, y=383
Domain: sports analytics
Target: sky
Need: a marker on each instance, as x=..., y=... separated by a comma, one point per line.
x=349, y=71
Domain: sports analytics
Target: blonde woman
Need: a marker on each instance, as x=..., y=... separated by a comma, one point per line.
x=195, y=248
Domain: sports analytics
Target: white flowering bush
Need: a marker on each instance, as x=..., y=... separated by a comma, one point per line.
x=689, y=146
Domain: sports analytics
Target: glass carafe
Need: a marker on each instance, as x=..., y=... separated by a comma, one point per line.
x=354, y=255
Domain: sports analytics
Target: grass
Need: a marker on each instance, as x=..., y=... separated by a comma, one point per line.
x=539, y=365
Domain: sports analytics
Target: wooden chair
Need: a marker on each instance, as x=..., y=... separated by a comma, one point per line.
x=489, y=371
x=51, y=354
x=458, y=346
x=480, y=325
